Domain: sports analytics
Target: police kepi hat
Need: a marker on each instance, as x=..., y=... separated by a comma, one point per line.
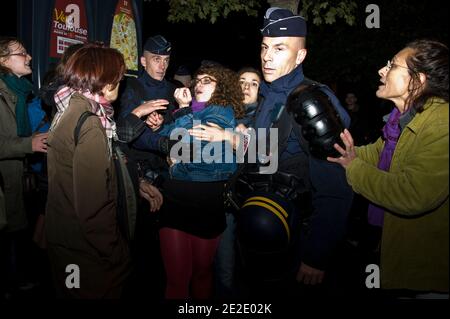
x=157, y=45
x=279, y=22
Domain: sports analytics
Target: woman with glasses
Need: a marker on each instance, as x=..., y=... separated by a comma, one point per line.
x=192, y=216
x=405, y=173
x=16, y=138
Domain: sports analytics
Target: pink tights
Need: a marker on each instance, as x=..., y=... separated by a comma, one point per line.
x=188, y=260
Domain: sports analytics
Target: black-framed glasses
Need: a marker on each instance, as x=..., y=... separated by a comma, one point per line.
x=24, y=54
x=205, y=80
x=391, y=64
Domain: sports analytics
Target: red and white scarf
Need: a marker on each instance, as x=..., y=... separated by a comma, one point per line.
x=99, y=105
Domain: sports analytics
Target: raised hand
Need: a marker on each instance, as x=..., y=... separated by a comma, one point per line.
x=150, y=107
x=349, y=154
x=183, y=97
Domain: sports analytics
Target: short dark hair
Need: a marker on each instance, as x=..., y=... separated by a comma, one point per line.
x=92, y=67
x=430, y=58
x=250, y=69
x=70, y=50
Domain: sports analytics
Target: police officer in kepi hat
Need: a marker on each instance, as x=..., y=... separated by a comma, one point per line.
x=152, y=88
x=303, y=176
x=283, y=51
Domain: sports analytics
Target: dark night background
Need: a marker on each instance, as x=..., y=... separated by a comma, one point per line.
x=345, y=57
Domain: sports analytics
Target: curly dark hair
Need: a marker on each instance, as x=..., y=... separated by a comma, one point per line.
x=430, y=58
x=228, y=91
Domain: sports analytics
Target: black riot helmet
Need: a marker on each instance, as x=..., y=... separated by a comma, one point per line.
x=321, y=125
x=266, y=226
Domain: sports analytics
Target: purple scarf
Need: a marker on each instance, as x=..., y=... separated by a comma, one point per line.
x=197, y=106
x=391, y=133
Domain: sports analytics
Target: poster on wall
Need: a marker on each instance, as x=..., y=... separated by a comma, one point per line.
x=69, y=26
x=123, y=34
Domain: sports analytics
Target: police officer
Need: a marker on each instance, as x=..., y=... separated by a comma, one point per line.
x=151, y=87
x=149, y=90
x=283, y=50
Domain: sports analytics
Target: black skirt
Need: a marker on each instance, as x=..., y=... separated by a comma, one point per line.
x=196, y=208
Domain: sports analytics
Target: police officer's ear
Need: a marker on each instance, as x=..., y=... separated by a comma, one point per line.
x=301, y=55
x=143, y=61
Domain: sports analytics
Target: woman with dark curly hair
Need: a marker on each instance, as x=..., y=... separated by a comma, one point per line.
x=192, y=216
x=405, y=173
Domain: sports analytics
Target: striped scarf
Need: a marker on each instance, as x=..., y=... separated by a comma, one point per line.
x=99, y=105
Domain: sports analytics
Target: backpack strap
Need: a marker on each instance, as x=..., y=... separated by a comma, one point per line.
x=80, y=123
x=126, y=201
x=285, y=125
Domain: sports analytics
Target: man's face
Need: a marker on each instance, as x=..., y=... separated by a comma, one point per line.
x=281, y=55
x=155, y=64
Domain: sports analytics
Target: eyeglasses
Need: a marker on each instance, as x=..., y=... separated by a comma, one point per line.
x=391, y=64
x=244, y=84
x=204, y=81
x=24, y=54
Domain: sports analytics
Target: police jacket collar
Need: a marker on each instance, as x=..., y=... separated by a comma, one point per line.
x=153, y=82
x=285, y=84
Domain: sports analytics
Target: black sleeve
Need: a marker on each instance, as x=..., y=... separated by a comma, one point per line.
x=129, y=127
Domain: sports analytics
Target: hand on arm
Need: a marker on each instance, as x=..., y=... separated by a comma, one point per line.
x=39, y=142
x=154, y=121
x=214, y=133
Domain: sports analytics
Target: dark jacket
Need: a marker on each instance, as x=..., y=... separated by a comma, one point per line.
x=331, y=195
x=147, y=89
